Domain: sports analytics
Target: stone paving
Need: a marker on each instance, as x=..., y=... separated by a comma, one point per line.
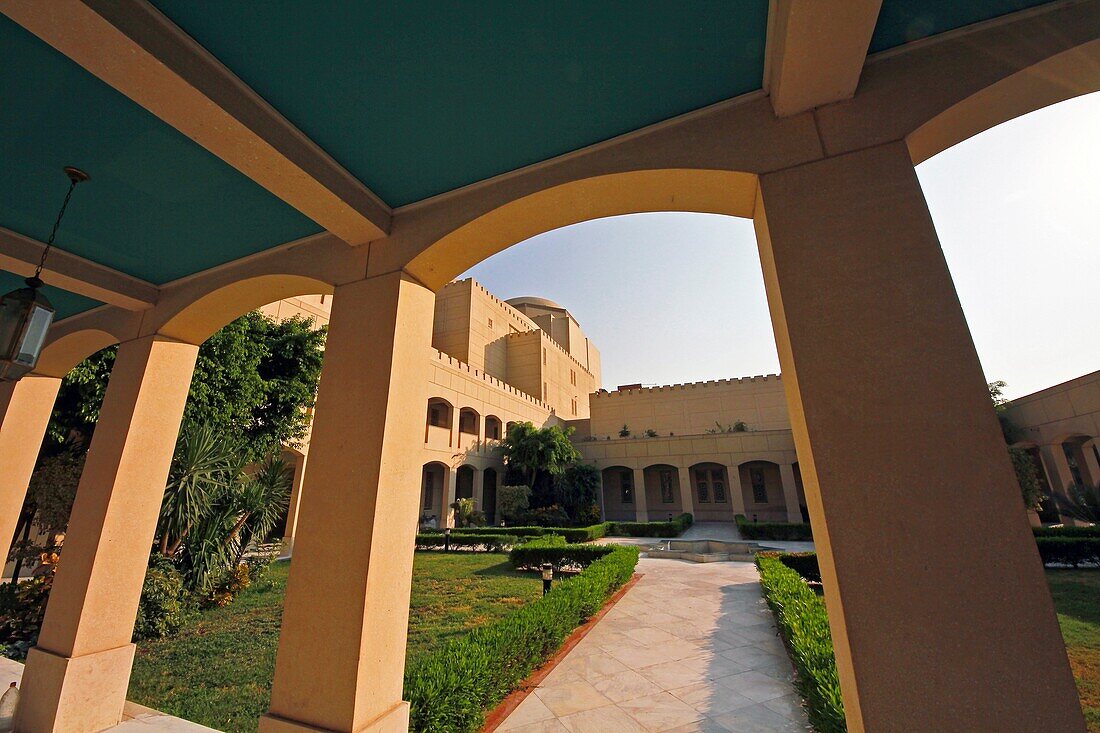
x=691, y=648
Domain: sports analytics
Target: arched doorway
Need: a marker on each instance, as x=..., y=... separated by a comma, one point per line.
x=432, y=491
x=489, y=495
x=464, y=482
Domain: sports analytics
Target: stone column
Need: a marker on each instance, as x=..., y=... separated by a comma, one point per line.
x=25, y=408
x=641, y=512
x=76, y=678
x=1059, y=475
x=915, y=507
x=790, y=493
x=479, y=488
x=449, y=492
x=736, y=495
x=342, y=648
x=295, y=502
x=1090, y=467
x=687, y=499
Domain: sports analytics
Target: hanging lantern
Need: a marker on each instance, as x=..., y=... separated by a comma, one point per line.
x=26, y=314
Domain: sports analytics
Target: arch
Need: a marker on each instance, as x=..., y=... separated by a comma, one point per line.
x=433, y=489
x=762, y=491
x=508, y=427
x=60, y=356
x=469, y=421
x=489, y=482
x=438, y=421
x=493, y=428
x=197, y=319
x=464, y=482
x=710, y=488
x=620, y=500
x=1063, y=76
x=662, y=490
x=695, y=190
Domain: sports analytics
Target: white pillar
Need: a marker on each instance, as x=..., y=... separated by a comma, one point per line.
x=736, y=495
x=641, y=512
x=790, y=493
x=687, y=499
x=450, y=491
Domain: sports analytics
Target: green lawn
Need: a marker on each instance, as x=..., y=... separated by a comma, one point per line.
x=1077, y=599
x=218, y=670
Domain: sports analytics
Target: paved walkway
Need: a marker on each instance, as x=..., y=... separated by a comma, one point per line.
x=691, y=648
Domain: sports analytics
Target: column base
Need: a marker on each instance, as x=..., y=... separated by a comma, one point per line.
x=74, y=694
x=395, y=720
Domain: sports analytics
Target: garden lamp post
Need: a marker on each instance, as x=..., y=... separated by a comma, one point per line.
x=447, y=539
x=547, y=577
x=26, y=313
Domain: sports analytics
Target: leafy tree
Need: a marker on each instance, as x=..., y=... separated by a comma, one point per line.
x=254, y=378
x=578, y=490
x=532, y=451
x=1027, y=475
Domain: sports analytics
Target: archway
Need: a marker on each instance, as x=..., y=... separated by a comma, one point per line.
x=620, y=501
x=710, y=488
x=662, y=491
x=489, y=495
x=762, y=489
x=433, y=491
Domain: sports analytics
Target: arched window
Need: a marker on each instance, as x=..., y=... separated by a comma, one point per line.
x=710, y=484
x=468, y=421
x=439, y=413
x=492, y=428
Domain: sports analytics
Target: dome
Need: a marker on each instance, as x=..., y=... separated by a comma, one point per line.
x=532, y=300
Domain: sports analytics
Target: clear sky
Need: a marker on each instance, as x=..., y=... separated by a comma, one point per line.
x=674, y=297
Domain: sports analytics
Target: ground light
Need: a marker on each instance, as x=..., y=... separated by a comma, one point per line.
x=26, y=313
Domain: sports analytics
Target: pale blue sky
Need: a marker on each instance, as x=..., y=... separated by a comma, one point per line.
x=1018, y=214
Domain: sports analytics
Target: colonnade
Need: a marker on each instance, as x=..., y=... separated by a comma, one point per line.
x=861, y=301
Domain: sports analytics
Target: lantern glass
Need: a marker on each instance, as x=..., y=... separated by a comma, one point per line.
x=25, y=318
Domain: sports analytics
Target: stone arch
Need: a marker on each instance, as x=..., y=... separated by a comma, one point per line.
x=620, y=495
x=662, y=491
x=762, y=489
x=710, y=489
x=433, y=488
x=614, y=194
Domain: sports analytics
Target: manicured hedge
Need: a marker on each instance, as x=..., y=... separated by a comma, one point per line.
x=651, y=529
x=803, y=563
x=593, y=532
x=773, y=530
x=467, y=542
x=1069, y=550
x=450, y=689
x=1093, y=531
x=804, y=623
x=531, y=555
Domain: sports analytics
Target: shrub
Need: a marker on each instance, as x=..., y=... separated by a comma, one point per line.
x=584, y=534
x=804, y=623
x=450, y=689
x=547, y=516
x=228, y=585
x=651, y=529
x=532, y=555
x=773, y=530
x=467, y=541
x=521, y=531
x=1093, y=531
x=161, y=608
x=512, y=501
x=22, y=607
x=1069, y=550
x=803, y=563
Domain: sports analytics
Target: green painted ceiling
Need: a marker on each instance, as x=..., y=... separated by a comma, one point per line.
x=414, y=98
x=66, y=303
x=902, y=21
x=420, y=97
x=158, y=206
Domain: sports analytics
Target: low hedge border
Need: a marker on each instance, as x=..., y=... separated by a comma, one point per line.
x=804, y=623
x=1069, y=550
x=773, y=530
x=672, y=528
x=532, y=555
x=450, y=690
x=467, y=542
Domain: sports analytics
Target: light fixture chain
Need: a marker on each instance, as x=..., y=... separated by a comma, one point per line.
x=56, y=224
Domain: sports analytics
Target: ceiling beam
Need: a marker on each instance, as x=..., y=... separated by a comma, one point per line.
x=136, y=49
x=815, y=51
x=70, y=272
